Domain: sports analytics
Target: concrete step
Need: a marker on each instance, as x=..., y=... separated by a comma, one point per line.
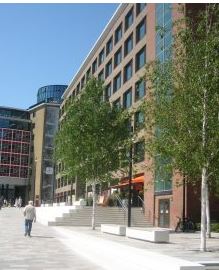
x=107, y=215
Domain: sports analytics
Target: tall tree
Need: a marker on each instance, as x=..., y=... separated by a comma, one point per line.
x=91, y=137
x=182, y=117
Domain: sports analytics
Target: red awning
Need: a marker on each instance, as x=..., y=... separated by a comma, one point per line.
x=139, y=179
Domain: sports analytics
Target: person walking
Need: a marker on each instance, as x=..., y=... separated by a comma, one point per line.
x=30, y=216
x=19, y=202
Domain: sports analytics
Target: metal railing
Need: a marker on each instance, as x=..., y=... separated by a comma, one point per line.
x=121, y=203
x=123, y=206
x=142, y=201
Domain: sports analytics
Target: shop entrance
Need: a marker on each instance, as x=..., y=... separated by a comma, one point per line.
x=164, y=213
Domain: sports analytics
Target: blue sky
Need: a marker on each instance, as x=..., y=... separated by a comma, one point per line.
x=42, y=44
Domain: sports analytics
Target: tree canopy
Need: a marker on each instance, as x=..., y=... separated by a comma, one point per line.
x=91, y=135
x=182, y=90
x=181, y=111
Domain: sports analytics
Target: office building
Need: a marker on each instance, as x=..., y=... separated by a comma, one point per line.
x=44, y=117
x=15, y=141
x=128, y=42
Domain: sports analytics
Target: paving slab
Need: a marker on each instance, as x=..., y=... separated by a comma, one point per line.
x=42, y=251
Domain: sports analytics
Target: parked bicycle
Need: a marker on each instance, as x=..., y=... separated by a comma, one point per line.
x=185, y=225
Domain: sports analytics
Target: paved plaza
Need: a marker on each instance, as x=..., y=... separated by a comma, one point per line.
x=42, y=251
x=82, y=248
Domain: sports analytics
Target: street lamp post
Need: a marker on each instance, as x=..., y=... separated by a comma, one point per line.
x=34, y=180
x=130, y=187
x=71, y=192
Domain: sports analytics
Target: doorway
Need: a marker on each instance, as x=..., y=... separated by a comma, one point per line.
x=164, y=213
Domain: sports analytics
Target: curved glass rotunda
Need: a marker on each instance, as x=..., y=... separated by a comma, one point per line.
x=50, y=93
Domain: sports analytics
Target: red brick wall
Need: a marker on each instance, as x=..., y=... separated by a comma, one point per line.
x=149, y=196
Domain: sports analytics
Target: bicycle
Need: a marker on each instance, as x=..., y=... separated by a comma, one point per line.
x=185, y=225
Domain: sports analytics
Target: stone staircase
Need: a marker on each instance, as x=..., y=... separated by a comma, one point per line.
x=104, y=215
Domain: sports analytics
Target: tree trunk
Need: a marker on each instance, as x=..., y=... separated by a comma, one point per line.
x=203, y=209
x=94, y=204
x=208, y=213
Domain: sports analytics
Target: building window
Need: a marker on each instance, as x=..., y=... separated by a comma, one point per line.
x=127, y=72
x=140, y=59
x=109, y=68
x=94, y=66
x=109, y=46
x=4, y=170
x=58, y=183
x=101, y=75
x=140, y=30
x=24, y=160
x=139, y=90
x=118, y=57
x=127, y=99
x=128, y=45
x=7, y=134
x=17, y=135
x=138, y=120
x=101, y=57
x=26, y=136
x=82, y=82
x=14, y=172
x=117, y=82
x=163, y=176
x=5, y=158
x=107, y=92
x=139, y=8
x=139, y=151
x=88, y=74
x=6, y=147
x=117, y=103
x=78, y=89
x=25, y=148
x=16, y=148
x=129, y=19
x=118, y=33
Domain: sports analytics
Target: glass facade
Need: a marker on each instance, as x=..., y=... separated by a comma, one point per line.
x=15, y=137
x=163, y=178
x=14, y=113
x=164, y=32
x=50, y=93
x=48, y=174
